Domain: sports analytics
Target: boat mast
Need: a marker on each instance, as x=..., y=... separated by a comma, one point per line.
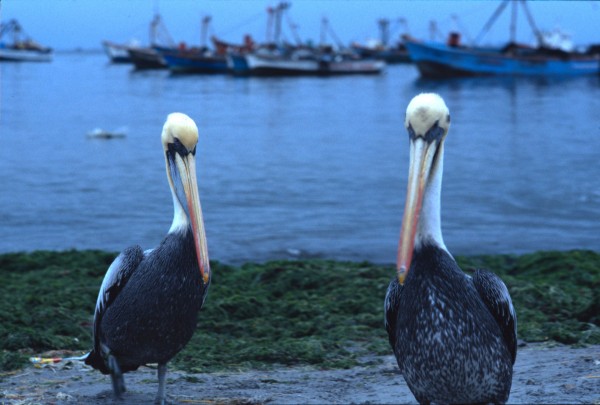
x=384, y=31
x=278, y=16
x=534, y=28
x=324, y=22
x=491, y=21
x=204, y=30
x=513, y=23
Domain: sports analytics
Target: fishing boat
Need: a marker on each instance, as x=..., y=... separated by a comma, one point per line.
x=117, y=53
x=350, y=66
x=20, y=47
x=142, y=57
x=202, y=59
x=279, y=58
x=307, y=62
x=547, y=58
x=193, y=60
x=282, y=62
x=441, y=60
x=382, y=49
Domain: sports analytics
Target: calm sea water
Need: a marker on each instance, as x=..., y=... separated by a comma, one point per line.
x=293, y=167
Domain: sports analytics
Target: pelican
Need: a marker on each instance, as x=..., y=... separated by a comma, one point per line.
x=149, y=300
x=453, y=336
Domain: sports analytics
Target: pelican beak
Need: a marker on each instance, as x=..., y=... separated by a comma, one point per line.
x=186, y=166
x=422, y=160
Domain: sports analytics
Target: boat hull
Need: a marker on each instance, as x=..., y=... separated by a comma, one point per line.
x=259, y=65
x=237, y=64
x=282, y=66
x=24, y=55
x=191, y=62
x=116, y=53
x=438, y=60
x=146, y=58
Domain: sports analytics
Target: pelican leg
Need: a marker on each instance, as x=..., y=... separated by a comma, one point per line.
x=160, y=395
x=118, y=383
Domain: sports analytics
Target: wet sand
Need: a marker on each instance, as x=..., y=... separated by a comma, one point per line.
x=543, y=374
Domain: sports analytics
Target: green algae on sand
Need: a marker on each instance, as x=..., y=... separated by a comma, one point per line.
x=317, y=312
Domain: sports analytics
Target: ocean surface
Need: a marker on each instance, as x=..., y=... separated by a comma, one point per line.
x=293, y=167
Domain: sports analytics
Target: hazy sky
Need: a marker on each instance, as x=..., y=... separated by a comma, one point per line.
x=66, y=24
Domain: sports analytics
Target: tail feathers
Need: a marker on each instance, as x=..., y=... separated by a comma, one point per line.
x=96, y=360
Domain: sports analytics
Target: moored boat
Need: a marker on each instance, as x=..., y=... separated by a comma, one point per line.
x=21, y=48
x=382, y=49
x=194, y=60
x=142, y=57
x=551, y=56
x=440, y=60
x=146, y=58
x=117, y=53
x=355, y=66
x=276, y=63
x=307, y=62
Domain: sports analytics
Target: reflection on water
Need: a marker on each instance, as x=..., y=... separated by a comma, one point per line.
x=293, y=166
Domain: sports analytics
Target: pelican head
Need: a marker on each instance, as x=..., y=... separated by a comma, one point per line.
x=179, y=140
x=427, y=122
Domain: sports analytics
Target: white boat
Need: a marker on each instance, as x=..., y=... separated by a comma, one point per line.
x=309, y=62
x=263, y=64
x=118, y=53
x=24, y=55
x=21, y=48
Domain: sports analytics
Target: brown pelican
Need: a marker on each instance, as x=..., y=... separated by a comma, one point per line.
x=454, y=336
x=149, y=301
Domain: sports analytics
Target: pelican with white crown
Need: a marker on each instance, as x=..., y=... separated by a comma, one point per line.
x=454, y=336
x=148, y=303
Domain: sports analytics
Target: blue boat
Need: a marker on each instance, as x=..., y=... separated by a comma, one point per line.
x=237, y=64
x=440, y=60
x=194, y=61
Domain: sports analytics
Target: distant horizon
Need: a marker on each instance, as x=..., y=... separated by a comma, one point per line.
x=83, y=24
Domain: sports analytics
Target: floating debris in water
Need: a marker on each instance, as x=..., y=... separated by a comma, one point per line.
x=99, y=133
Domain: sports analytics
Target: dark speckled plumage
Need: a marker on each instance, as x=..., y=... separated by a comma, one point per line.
x=450, y=348
x=153, y=314
x=454, y=336
x=148, y=303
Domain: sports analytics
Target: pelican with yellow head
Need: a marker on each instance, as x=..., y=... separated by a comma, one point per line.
x=149, y=301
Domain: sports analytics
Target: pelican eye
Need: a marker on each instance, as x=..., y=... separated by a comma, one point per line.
x=433, y=134
x=177, y=147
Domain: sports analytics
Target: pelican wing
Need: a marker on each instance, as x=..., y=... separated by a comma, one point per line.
x=494, y=294
x=391, y=308
x=116, y=277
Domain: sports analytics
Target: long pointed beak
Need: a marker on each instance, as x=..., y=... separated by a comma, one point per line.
x=187, y=171
x=421, y=159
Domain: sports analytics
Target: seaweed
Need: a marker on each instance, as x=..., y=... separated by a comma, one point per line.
x=323, y=313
